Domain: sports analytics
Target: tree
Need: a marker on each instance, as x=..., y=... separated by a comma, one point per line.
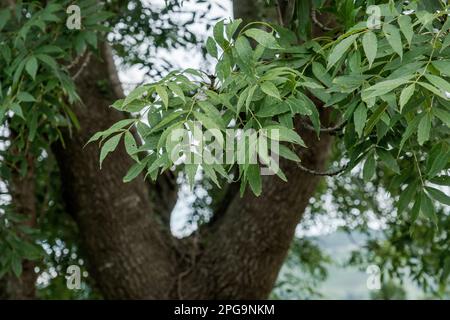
x=328, y=81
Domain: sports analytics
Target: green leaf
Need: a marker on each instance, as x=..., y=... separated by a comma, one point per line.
x=231, y=28
x=5, y=15
x=287, y=153
x=31, y=67
x=438, y=162
x=446, y=42
x=438, y=82
x=360, y=117
x=95, y=137
x=218, y=33
x=159, y=162
x=374, y=118
x=118, y=125
x=130, y=144
x=25, y=97
x=406, y=197
x=441, y=180
x=109, y=146
x=423, y=131
x=210, y=173
x=314, y=116
x=300, y=106
x=244, y=50
x=388, y=160
x=16, y=265
x=442, y=115
x=339, y=50
x=443, y=66
x=211, y=47
x=285, y=134
x=370, y=45
x=162, y=92
x=270, y=89
x=410, y=129
x=321, y=74
x=134, y=171
x=433, y=89
x=438, y=195
x=211, y=110
x=369, y=167
x=177, y=90
x=263, y=38
x=406, y=94
x=406, y=27
x=207, y=122
x=393, y=37
x=167, y=119
x=135, y=94
x=250, y=95
x=17, y=109
x=272, y=109
x=427, y=208
x=48, y=61
x=242, y=99
x=254, y=179
x=383, y=87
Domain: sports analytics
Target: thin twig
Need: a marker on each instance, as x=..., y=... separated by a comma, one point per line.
x=75, y=61
x=323, y=173
x=83, y=66
x=318, y=23
x=330, y=130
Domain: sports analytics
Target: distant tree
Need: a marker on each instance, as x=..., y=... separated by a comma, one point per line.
x=389, y=291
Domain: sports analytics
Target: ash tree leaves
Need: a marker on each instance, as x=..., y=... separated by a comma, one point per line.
x=406, y=27
x=32, y=66
x=405, y=95
x=36, y=86
x=423, y=131
x=109, y=146
x=370, y=45
x=392, y=35
x=250, y=100
x=264, y=38
x=360, y=117
x=387, y=87
x=270, y=89
x=338, y=51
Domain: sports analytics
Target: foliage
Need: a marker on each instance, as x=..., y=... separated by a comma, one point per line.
x=380, y=85
x=390, y=291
